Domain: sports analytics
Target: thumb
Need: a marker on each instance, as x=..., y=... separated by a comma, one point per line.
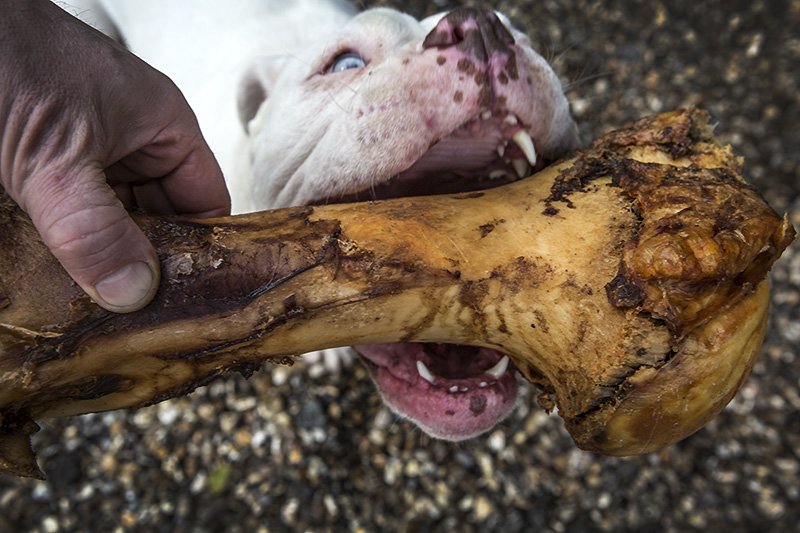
x=88, y=230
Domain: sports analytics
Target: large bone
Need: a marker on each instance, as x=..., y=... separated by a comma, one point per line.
x=628, y=282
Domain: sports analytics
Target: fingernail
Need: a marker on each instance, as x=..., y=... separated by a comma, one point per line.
x=127, y=289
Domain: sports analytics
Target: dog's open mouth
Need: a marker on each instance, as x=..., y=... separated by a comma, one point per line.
x=451, y=391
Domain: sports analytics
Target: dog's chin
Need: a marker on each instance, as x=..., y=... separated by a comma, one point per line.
x=451, y=392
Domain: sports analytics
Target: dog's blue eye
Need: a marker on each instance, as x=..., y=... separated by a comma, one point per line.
x=347, y=61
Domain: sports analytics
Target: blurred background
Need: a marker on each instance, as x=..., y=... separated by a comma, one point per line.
x=293, y=450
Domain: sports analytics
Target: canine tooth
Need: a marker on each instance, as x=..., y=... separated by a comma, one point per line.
x=511, y=120
x=499, y=369
x=454, y=388
x=501, y=149
x=486, y=115
x=524, y=141
x=521, y=166
x=424, y=372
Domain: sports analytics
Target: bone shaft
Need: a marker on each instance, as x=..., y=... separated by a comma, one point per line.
x=235, y=293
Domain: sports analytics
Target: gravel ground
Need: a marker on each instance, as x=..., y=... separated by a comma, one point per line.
x=292, y=450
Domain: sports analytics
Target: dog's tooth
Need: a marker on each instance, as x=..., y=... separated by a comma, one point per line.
x=521, y=167
x=511, y=120
x=501, y=149
x=524, y=141
x=499, y=369
x=486, y=115
x=500, y=175
x=454, y=388
x=464, y=389
x=483, y=384
x=424, y=372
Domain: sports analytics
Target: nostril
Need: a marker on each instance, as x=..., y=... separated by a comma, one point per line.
x=471, y=28
x=444, y=35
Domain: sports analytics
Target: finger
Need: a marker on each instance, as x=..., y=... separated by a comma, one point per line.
x=118, y=173
x=191, y=177
x=124, y=193
x=136, y=191
x=199, y=174
x=151, y=198
x=148, y=193
x=90, y=233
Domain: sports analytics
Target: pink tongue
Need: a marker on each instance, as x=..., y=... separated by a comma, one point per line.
x=463, y=402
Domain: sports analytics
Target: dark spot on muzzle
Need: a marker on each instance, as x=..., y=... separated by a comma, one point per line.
x=475, y=31
x=477, y=404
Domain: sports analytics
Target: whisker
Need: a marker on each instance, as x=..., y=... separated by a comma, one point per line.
x=556, y=59
x=581, y=80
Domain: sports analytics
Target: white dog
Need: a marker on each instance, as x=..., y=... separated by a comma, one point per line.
x=308, y=102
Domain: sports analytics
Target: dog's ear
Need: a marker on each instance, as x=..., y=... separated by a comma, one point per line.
x=255, y=86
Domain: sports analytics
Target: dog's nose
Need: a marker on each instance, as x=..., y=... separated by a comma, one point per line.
x=477, y=31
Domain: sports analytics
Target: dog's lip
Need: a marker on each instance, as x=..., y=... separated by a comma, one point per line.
x=496, y=145
x=490, y=149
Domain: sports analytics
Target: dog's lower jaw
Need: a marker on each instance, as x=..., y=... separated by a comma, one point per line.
x=451, y=392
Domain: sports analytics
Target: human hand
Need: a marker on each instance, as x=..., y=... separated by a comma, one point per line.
x=90, y=129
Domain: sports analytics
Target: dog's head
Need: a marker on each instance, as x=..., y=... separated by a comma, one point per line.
x=396, y=107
